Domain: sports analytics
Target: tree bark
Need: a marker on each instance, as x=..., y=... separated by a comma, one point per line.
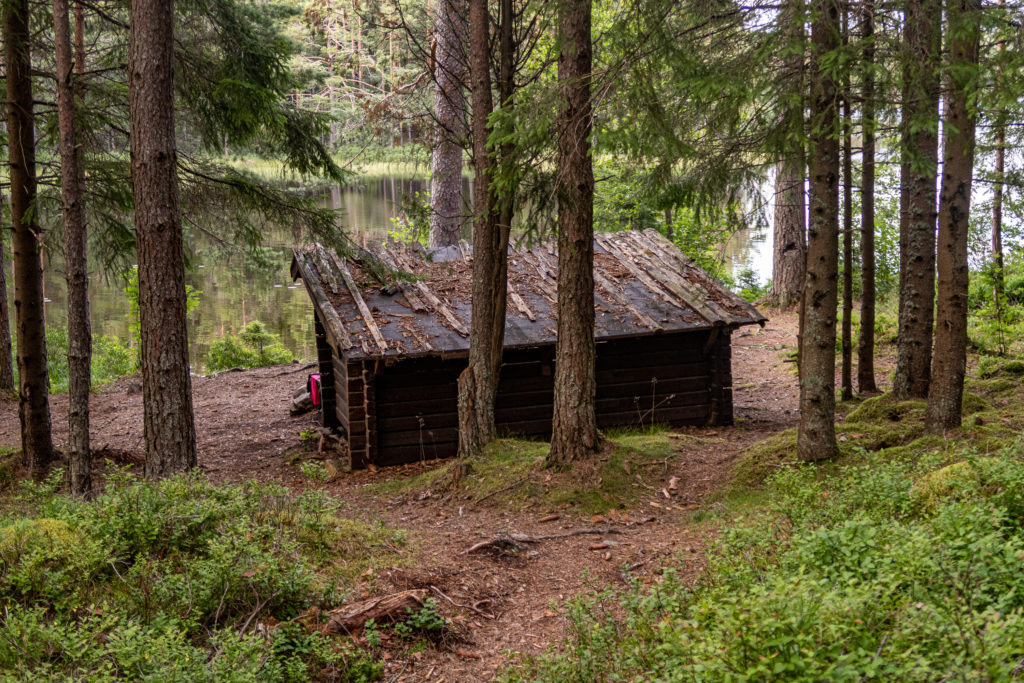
x=33, y=380
x=574, y=428
x=999, y=288
x=866, y=341
x=816, y=438
x=6, y=351
x=75, y=262
x=478, y=383
x=449, y=115
x=166, y=385
x=949, y=364
x=789, y=238
x=920, y=162
x=846, y=382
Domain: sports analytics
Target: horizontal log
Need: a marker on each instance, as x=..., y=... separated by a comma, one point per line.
x=644, y=374
x=398, y=455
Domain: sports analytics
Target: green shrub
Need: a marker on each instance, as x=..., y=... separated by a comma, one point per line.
x=111, y=359
x=254, y=347
x=169, y=580
x=845, y=577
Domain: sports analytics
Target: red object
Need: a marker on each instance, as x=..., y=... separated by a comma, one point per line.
x=314, y=388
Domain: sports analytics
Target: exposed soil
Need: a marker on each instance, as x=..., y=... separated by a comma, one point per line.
x=245, y=432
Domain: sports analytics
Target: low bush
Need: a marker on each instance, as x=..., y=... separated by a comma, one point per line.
x=254, y=347
x=885, y=570
x=111, y=359
x=178, y=580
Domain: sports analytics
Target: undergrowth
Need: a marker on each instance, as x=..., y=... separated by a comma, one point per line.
x=511, y=473
x=993, y=411
x=886, y=569
x=179, y=580
x=900, y=561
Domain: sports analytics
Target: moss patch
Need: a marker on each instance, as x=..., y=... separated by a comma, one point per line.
x=934, y=487
x=512, y=473
x=886, y=409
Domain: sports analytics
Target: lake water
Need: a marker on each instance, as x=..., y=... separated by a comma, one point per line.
x=234, y=290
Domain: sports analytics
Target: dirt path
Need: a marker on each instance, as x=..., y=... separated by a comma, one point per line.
x=245, y=432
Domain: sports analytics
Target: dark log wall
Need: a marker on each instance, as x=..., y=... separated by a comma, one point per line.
x=325, y=356
x=407, y=411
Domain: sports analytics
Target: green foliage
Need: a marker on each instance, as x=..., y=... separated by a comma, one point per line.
x=131, y=290
x=173, y=580
x=111, y=359
x=424, y=622
x=254, y=347
x=844, y=577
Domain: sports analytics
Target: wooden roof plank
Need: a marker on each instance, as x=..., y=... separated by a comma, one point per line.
x=659, y=273
x=432, y=299
x=613, y=293
x=671, y=253
x=323, y=265
x=662, y=264
x=319, y=296
x=414, y=301
x=639, y=273
x=520, y=304
x=364, y=310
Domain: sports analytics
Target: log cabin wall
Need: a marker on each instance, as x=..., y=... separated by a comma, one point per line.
x=329, y=407
x=408, y=410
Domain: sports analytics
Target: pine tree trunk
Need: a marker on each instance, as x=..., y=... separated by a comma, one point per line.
x=866, y=342
x=999, y=290
x=166, y=385
x=789, y=232
x=846, y=344
x=949, y=365
x=449, y=115
x=33, y=380
x=917, y=290
x=846, y=384
x=478, y=383
x=574, y=427
x=6, y=351
x=75, y=261
x=790, y=250
x=816, y=438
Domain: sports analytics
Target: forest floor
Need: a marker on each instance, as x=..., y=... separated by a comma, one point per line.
x=505, y=603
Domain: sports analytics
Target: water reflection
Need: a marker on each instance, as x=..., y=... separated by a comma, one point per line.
x=235, y=290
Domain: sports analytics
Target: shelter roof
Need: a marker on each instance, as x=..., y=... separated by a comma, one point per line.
x=643, y=285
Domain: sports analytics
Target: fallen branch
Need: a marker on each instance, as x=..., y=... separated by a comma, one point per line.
x=353, y=616
x=511, y=486
x=511, y=542
x=307, y=366
x=471, y=608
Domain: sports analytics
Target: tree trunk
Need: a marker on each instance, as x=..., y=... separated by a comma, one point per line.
x=789, y=240
x=920, y=161
x=945, y=395
x=999, y=290
x=816, y=438
x=166, y=385
x=574, y=428
x=75, y=262
x=449, y=114
x=866, y=342
x=6, y=351
x=33, y=380
x=478, y=383
x=846, y=383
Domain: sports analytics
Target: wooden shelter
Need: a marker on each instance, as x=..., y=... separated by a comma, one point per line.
x=390, y=354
